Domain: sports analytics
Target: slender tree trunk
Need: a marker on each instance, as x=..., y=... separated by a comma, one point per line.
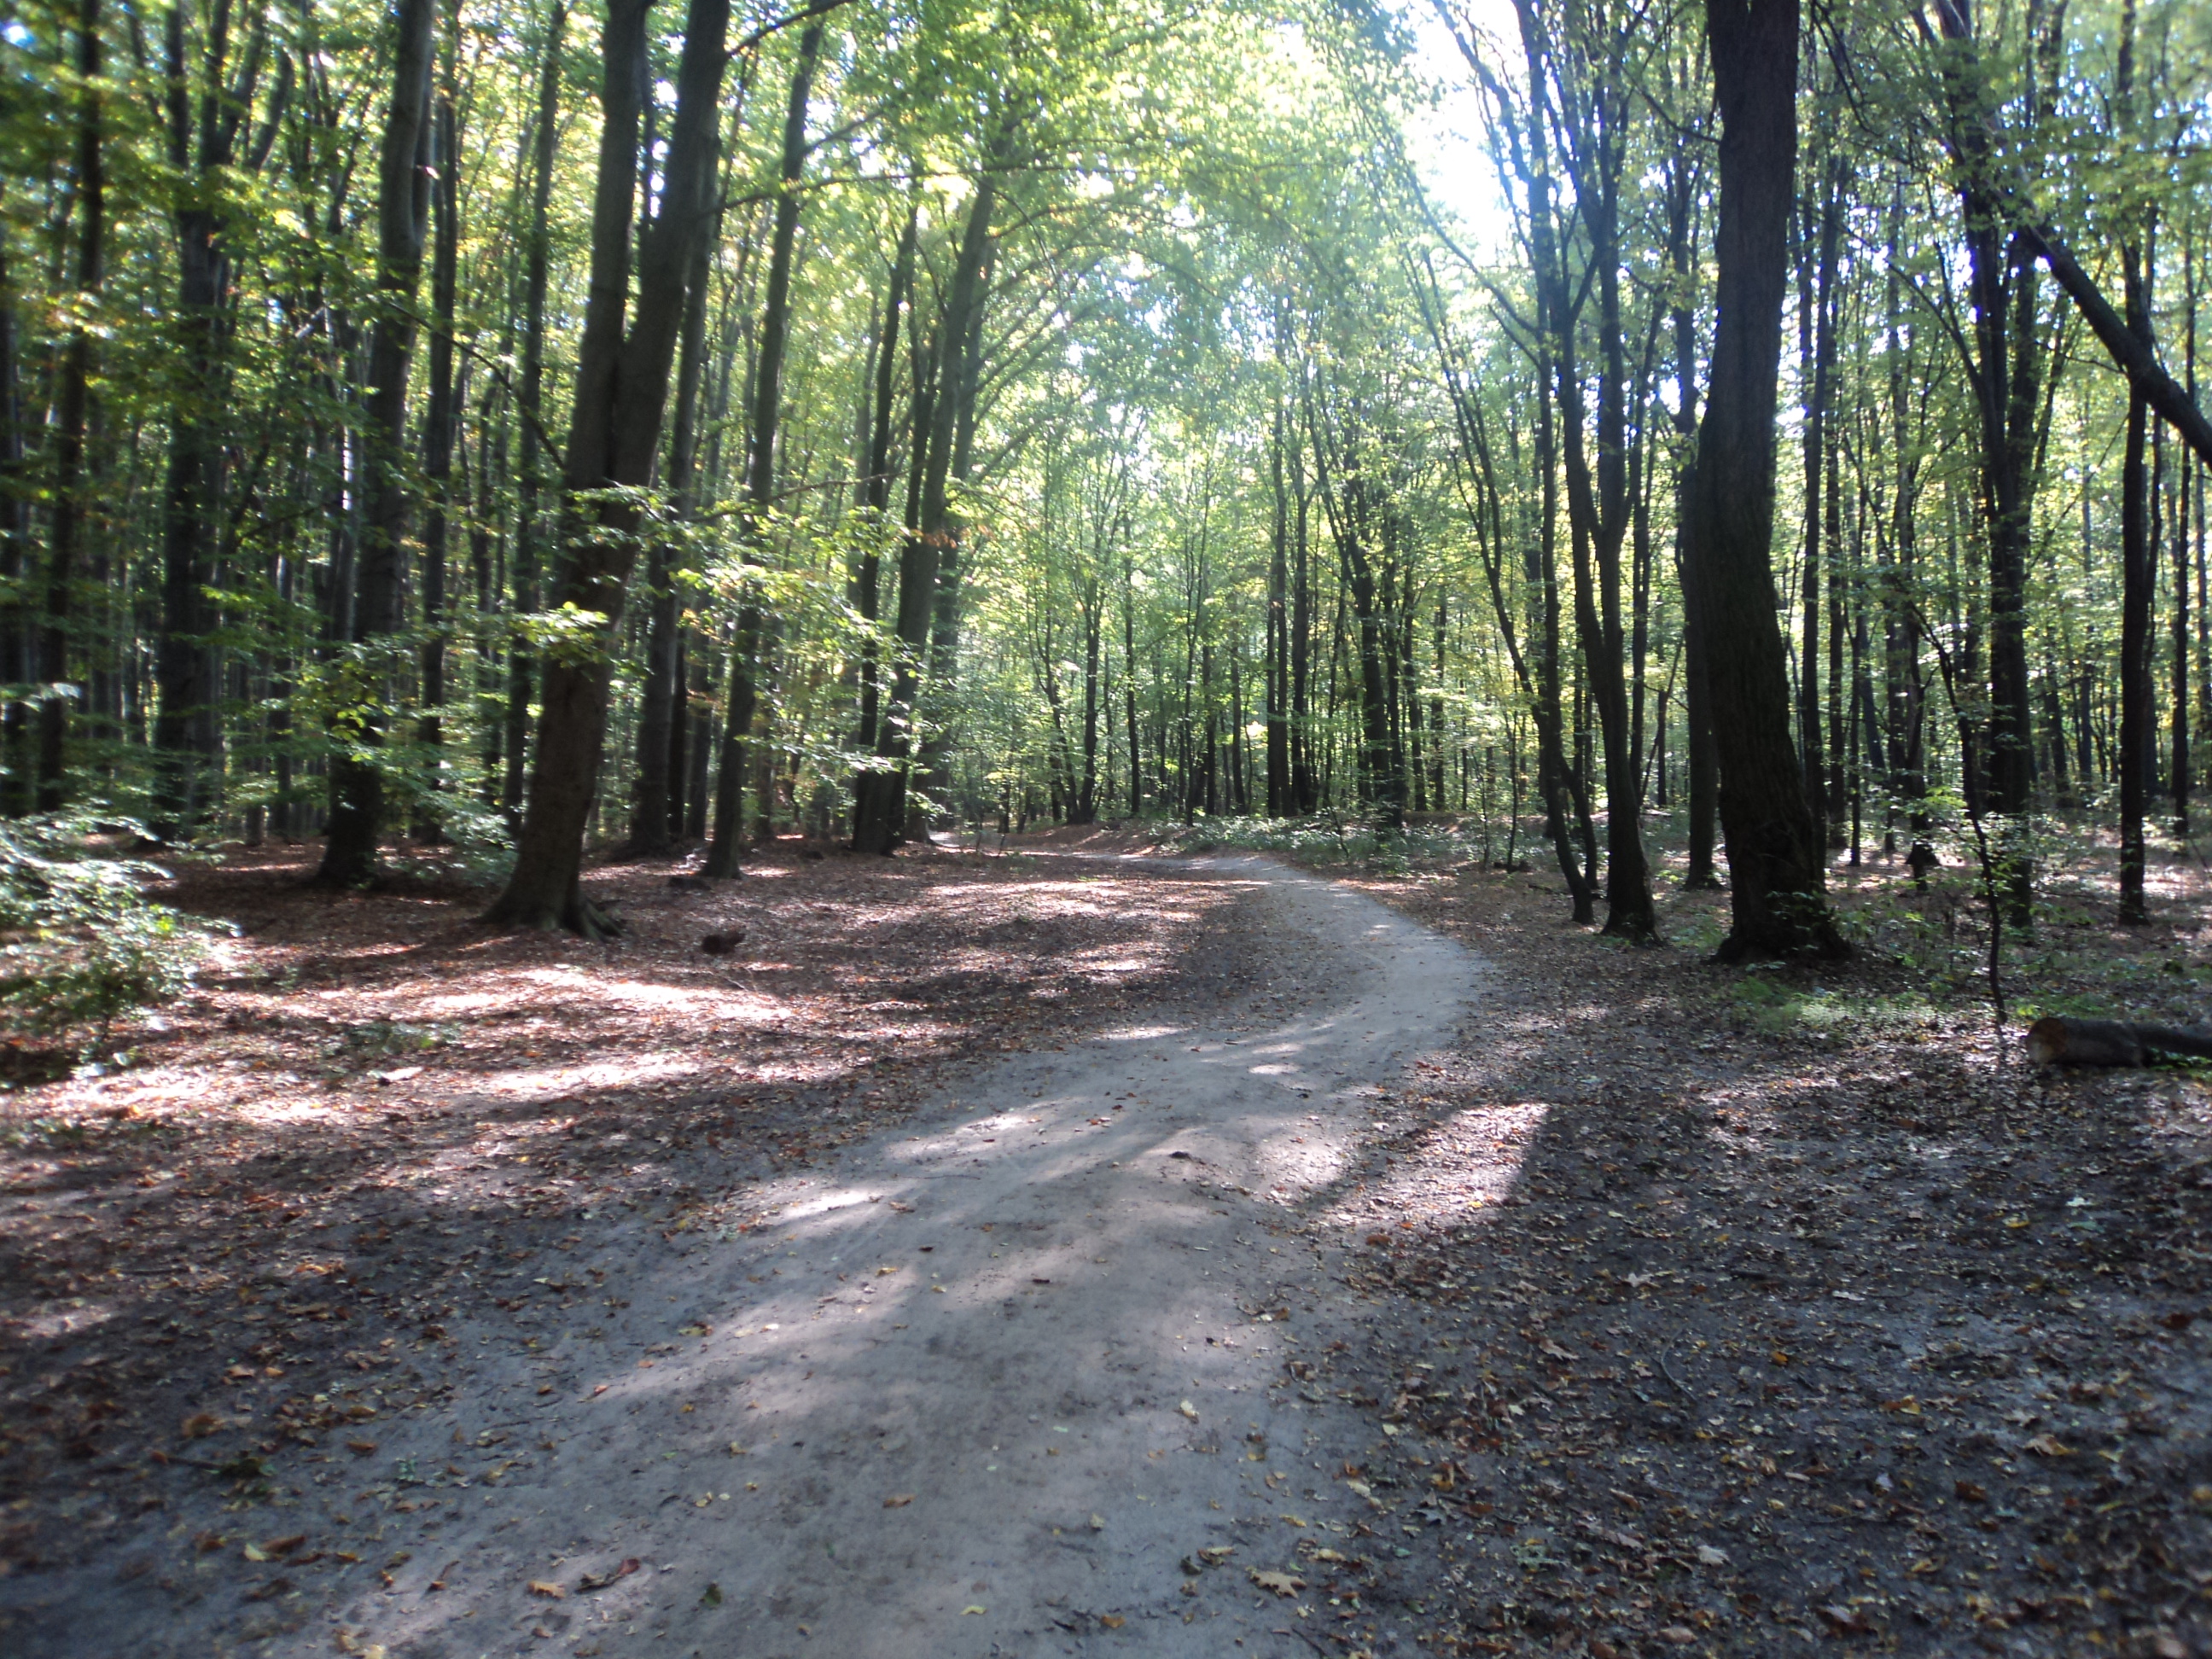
x=659, y=751
x=15, y=774
x=1775, y=863
x=1279, y=804
x=881, y=816
x=403, y=201
x=876, y=486
x=70, y=415
x=439, y=424
x=760, y=465
x=536, y=473
x=188, y=731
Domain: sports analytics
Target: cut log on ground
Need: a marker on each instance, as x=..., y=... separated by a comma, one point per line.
x=2054, y=1040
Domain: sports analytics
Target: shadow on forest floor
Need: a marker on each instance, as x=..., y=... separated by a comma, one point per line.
x=250, y=1238
x=1722, y=1309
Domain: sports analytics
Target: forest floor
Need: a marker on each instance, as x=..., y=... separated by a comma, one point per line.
x=1606, y=1302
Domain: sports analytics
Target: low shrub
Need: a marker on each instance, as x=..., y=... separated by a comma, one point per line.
x=81, y=943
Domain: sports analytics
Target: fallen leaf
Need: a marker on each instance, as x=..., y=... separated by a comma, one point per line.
x=1098, y=1523
x=546, y=1587
x=1970, y=1491
x=201, y=1425
x=713, y=1598
x=695, y=1330
x=898, y=1501
x=1112, y=1620
x=2045, y=1445
x=883, y=1273
x=1282, y=1583
x=285, y=1546
x=1710, y=1557
x=1214, y=1554
x=973, y=1607
x=1844, y=1621
x=903, y=1209
x=361, y=1448
x=599, y=1581
x=1188, y=1410
x=1681, y=1635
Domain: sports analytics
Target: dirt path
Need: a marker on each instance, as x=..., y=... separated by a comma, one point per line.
x=1014, y=1377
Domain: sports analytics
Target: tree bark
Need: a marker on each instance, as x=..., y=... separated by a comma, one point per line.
x=440, y=421
x=187, y=732
x=760, y=463
x=880, y=815
x=349, y=851
x=1775, y=864
x=72, y=403
x=622, y=385
x=534, y=479
x=659, y=753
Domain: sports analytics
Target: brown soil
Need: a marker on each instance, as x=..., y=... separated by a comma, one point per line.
x=309, y=1165
x=1745, y=1309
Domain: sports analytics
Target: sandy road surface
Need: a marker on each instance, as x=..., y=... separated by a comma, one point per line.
x=991, y=1387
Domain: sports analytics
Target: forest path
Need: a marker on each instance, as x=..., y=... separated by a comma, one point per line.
x=997, y=1376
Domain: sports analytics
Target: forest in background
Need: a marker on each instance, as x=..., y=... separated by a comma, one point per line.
x=530, y=432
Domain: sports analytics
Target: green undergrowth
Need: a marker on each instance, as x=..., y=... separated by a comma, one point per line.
x=1327, y=841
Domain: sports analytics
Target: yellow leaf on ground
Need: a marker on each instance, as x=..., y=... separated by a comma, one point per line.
x=973, y=1607
x=1188, y=1410
x=1281, y=1583
x=546, y=1587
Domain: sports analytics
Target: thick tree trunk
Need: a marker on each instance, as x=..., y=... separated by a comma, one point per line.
x=401, y=210
x=1775, y=864
x=622, y=385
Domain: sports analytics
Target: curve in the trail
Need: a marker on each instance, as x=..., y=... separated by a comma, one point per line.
x=997, y=1383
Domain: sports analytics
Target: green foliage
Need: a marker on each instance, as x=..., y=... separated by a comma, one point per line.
x=83, y=943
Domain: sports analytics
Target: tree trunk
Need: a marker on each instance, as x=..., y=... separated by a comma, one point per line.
x=70, y=415
x=521, y=668
x=880, y=815
x=187, y=733
x=876, y=488
x=2138, y=577
x=760, y=463
x=1775, y=864
x=659, y=751
x=439, y=421
x=622, y=385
